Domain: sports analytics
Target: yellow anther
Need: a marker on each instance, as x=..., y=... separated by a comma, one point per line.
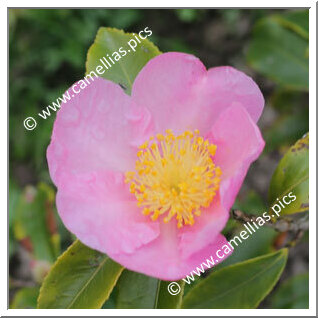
x=188, y=133
x=129, y=176
x=163, y=161
x=154, y=146
x=160, y=137
x=140, y=199
x=146, y=211
x=176, y=177
x=144, y=145
x=200, y=141
x=218, y=171
x=211, y=166
x=212, y=149
x=148, y=163
x=132, y=187
x=155, y=215
x=210, y=174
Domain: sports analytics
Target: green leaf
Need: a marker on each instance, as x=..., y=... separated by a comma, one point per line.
x=35, y=222
x=285, y=130
x=135, y=290
x=260, y=244
x=124, y=71
x=292, y=294
x=279, y=53
x=287, y=101
x=250, y=202
x=292, y=175
x=80, y=278
x=296, y=20
x=292, y=121
x=243, y=285
x=138, y=291
x=25, y=298
x=165, y=300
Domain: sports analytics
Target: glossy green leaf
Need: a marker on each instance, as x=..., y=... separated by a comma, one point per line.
x=135, y=290
x=25, y=298
x=167, y=301
x=280, y=53
x=80, y=278
x=243, y=285
x=110, y=302
x=138, y=291
x=292, y=175
x=259, y=244
x=110, y=41
x=35, y=222
x=292, y=294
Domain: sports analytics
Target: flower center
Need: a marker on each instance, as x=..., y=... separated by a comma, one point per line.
x=175, y=176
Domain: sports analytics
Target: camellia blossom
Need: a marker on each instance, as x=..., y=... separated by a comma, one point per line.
x=149, y=179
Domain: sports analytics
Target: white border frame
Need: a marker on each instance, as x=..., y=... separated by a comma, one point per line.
x=312, y=163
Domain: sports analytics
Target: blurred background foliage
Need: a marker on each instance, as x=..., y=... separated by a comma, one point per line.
x=47, y=54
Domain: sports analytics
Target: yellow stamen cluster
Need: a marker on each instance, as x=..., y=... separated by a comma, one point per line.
x=175, y=176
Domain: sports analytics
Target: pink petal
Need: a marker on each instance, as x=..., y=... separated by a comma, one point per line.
x=100, y=128
x=100, y=211
x=182, y=95
x=239, y=143
x=163, y=261
x=205, y=229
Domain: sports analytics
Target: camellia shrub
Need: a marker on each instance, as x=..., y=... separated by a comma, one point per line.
x=148, y=154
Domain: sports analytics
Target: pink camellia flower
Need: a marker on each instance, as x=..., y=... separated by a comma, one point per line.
x=149, y=179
